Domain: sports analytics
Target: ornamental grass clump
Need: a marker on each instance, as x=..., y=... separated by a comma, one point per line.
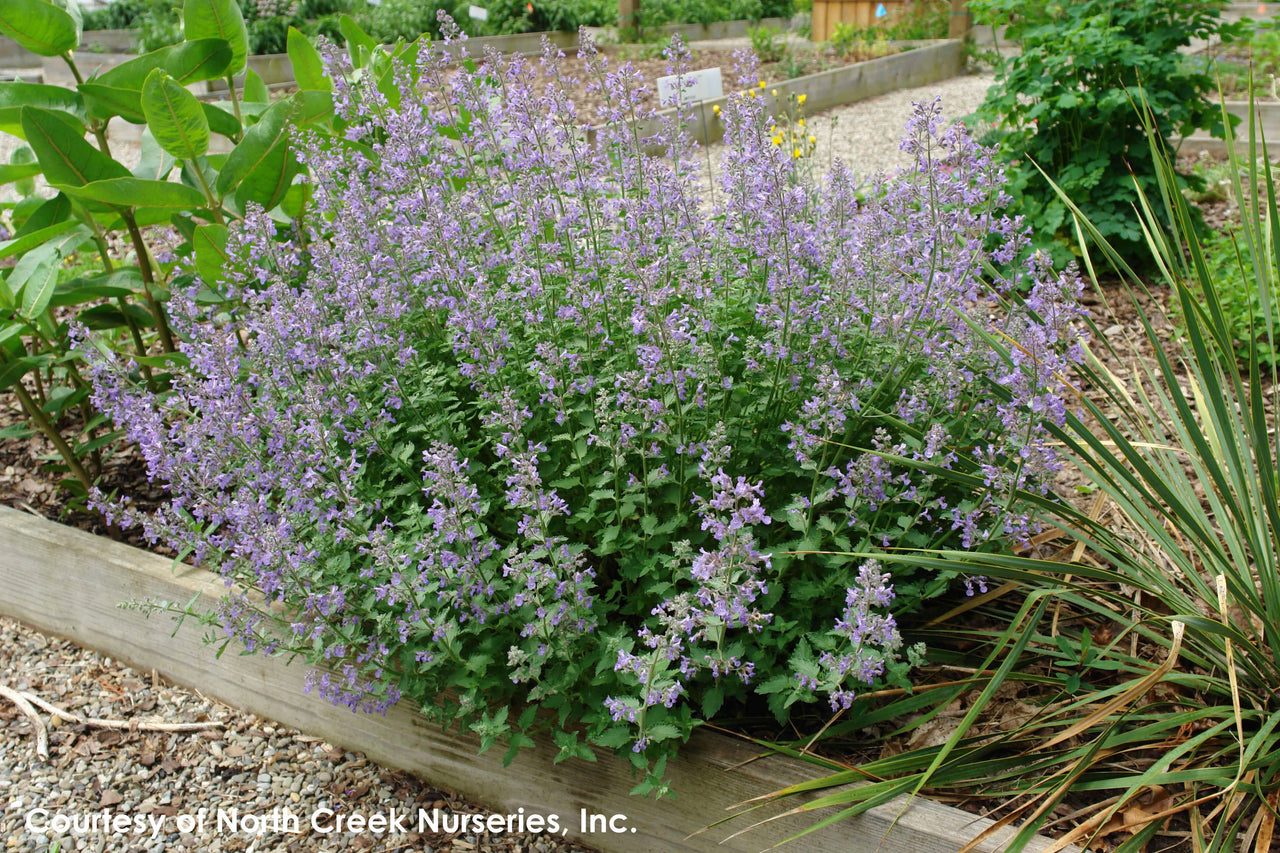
x=519, y=417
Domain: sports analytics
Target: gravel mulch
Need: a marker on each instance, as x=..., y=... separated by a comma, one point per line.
x=232, y=761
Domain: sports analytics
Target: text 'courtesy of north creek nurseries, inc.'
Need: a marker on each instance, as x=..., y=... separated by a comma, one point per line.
x=322, y=821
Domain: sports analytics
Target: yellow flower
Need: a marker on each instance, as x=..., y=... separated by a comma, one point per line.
x=813, y=140
x=761, y=84
x=716, y=109
x=801, y=122
x=775, y=93
x=773, y=128
x=800, y=99
x=751, y=93
x=777, y=140
x=796, y=153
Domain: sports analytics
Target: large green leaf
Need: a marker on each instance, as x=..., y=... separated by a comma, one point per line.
x=255, y=91
x=107, y=101
x=359, y=43
x=221, y=121
x=137, y=192
x=121, y=282
x=40, y=27
x=308, y=67
x=187, y=62
x=11, y=173
x=218, y=19
x=155, y=164
x=16, y=94
x=210, y=242
x=311, y=107
x=50, y=212
x=175, y=116
x=64, y=155
x=11, y=372
x=262, y=166
x=23, y=156
x=102, y=317
x=35, y=276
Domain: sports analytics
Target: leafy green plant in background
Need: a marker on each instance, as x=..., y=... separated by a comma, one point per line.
x=66, y=269
x=850, y=40
x=1145, y=661
x=768, y=43
x=1064, y=105
x=1246, y=307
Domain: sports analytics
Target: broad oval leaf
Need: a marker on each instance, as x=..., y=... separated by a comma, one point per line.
x=261, y=167
x=219, y=19
x=24, y=156
x=11, y=372
x=101, y=317
x=352, y=32
x=187, y=62
x=155, y=164
x=210, y=244
x=64, y=155
x=107, y=101
x=174, y=116
x=121, y=282
x=137, y=192
x=308, y=67
x=50, y=212
x=255, y=91
x=40, y=27
x=221, y=121
x=11, y=173
x=18, y=94
x=311, y=107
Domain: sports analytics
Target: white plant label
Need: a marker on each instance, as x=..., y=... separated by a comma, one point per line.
x=694, y=86
x=478, y=12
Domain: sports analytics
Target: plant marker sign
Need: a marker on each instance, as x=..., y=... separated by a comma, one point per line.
x=689, y=88
x=478, y=12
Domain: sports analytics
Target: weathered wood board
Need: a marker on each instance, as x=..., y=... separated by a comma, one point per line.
x=70, y=583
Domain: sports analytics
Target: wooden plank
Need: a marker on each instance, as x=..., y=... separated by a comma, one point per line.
x=67, y=582
x=928, y=62
x=960, y=20
x=627, y=12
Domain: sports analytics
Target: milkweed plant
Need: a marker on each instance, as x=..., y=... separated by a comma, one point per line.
x=522, y=417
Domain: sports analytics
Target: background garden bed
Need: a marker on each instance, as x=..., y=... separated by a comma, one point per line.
x=54, y=578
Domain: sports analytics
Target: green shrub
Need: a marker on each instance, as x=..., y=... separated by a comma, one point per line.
x=525, y=423
x=1064, y=105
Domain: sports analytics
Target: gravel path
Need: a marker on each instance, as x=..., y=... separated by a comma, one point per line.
x=238, y=761
x=866, y=134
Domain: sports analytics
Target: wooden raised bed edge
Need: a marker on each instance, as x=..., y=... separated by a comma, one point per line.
x=926, y=62
x=70, y=583
x=276, y=68
x=1268, y=116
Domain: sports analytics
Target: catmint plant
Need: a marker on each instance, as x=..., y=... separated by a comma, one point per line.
x=523, y=417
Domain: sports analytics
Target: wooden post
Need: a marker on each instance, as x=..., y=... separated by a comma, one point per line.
x=961, y=20
x=627, y=11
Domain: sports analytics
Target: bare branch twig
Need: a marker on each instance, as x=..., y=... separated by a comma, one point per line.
x=42, y=734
